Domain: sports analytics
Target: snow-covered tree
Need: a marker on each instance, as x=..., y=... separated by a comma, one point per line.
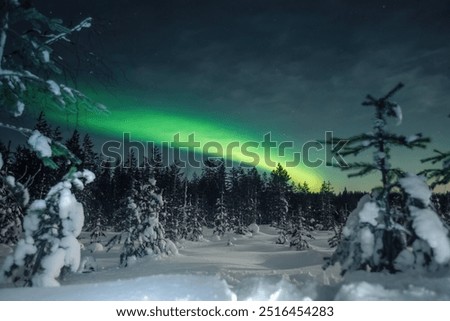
x=143, y=234
x=221, y=224
x=299, y=233
x=282, y=207
x=28, y=59
x=278, y=203
x=195, y=223
x=98, y=229
x=28, y=56
x=171, y=225
x=49, y=244
x=184, y=212
x=338, y=227
x=14, y=197
x=327, y=208
x=374, y=235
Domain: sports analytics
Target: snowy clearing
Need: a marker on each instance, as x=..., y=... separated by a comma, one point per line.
x=252, y=267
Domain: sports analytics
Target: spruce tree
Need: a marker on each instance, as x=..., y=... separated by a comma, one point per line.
x=98, y=229
x=51, y=227
x=184, y=213
x=91, y=205
x=374, y=235
x=195, y=222
x=102, y=193
x=25, y=79
x=14, y=198
x=327, y=209
x=142, y=234
x=221, y=224
x=211, y=185
x=279, y=187
x=299, y=233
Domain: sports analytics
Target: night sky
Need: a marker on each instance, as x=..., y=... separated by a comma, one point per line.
x=235, y=70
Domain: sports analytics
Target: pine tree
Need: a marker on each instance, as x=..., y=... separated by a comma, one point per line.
x=327, y=209
x=102, y=193
x=211, y=185
x=42, y=125
x=374, y=236
x=98, y=230
x=88, y=157
x=143, y=233
x=73, y=143
x=299, y=233
x=195, y=223
x=14, y=198
x=339, y=218
x=122, y=183
x=184, y=213
x=91, y=206
x=279, y=187
x=281, y=207
x=25, y=80
x=221, y=224
x=129, y=232
x=50, y=244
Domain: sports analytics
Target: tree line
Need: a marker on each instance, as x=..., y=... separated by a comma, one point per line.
x=224, y=200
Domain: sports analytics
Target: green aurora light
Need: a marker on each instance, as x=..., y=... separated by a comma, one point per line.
x=146, y=122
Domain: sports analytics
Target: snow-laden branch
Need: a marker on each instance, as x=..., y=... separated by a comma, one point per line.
x=60, y=92
x=5, y=73
x=44, y=147
x=86, y=23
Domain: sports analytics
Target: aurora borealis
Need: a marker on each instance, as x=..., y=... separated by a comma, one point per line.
x=233, y=71
x=149, y=124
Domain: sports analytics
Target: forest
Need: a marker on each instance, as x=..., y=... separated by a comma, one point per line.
x=53, y=187
x=226, y=200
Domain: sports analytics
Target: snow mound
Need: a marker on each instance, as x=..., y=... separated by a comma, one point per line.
x=253, y=228
x=155, y=288
x=399, y=287
x=95, y=247
x=88, y=264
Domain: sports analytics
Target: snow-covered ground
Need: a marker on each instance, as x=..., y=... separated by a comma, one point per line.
x=236, y=267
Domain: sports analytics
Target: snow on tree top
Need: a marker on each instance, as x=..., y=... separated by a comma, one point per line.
x=1, y=161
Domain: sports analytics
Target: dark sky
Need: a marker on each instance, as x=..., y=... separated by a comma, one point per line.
x=296, y=68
